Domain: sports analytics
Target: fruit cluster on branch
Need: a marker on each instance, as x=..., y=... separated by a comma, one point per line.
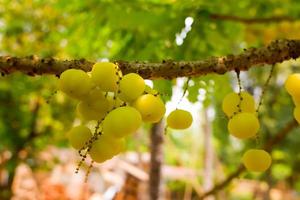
x=276, y=52
x=118, y=104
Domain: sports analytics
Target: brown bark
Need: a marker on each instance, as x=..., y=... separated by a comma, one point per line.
x=276, y=52
x=156, y=160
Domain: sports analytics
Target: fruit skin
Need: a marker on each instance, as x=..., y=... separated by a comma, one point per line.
x=78, y=136
x=94, y=106
x=121, y=122
x=297, y=114
x=86, y=112
x=231, y=101
x=296, y=101
x=292, y=85
x=113, y=102
x=75, y=83
x=105, y=148
x=179, y=119
x=131, y=86
x=243, y=125
x=257, y=160
x=151, y=108
x=105, y=75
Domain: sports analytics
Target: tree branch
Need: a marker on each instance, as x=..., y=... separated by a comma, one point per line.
x=273, y=19
x=268, y=147
x=281, y=135
x=276, y=52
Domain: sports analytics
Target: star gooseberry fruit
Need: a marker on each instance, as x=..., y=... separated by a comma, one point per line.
x=243, y=125
x=257, y=160
x=232, y=100
x=179, y=119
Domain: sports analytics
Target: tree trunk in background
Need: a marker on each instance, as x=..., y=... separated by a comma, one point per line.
x=157, y=132
x=208, y=154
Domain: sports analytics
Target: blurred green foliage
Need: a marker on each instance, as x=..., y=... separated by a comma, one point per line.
x=145, y=30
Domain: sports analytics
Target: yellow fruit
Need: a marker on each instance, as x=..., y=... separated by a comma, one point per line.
x=131, y=87
x=75, y=83
x=121, y=122
x=113, y=102
x=97, y=101
x=243, y=125
x=106, y=76
x=78, y=136
x=232, y=100
x=105, y=148
x=94, y=106
x=296, y=101
x=297, y=114
x=151, y=108
x=179, y=119
x=87, y=112
x=292, y=85
x=257, y=160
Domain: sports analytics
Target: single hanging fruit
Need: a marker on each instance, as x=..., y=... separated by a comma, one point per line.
x=257, y=160
x=243, y=125
x=232, y=100
x=179, y=119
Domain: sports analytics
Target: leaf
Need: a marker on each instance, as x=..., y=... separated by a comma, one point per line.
x=164, y=87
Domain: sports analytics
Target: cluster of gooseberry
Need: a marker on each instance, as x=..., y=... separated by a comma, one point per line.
x=243, y=124
x=292, y=85
x=118, y=103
